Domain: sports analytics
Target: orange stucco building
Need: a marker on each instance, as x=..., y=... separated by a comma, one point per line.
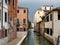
x=22, y=19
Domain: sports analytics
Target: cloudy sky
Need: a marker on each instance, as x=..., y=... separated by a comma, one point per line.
x=32, y=5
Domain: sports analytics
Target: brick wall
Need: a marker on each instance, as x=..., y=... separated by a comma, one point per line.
x=12, y=9
x=2, y=33
x=42, y=24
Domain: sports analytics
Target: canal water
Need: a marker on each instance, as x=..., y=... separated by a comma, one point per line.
x=34, y=39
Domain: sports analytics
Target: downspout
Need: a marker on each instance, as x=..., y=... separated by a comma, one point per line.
x=53, y=26
x=2, y=15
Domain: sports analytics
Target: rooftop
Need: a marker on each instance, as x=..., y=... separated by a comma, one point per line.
x=55, y=9
x=39, y=9
x=48, y=5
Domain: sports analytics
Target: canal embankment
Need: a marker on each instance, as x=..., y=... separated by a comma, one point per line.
x=20, y=38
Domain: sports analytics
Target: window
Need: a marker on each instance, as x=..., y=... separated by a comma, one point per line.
x=24, y=29
x=24, y=11
x=13, y=3
x=47, y=30
x=47, y=18
x=45, y=7
x=51, y=31
x=9, y=1
x=6, y=1
x=17, y=11
x=5, y=16
x=50, y=8
x=17, y=29
x=5, y=33
x=15, y=19
x=18, y=21
x=24, y=21
x=0, y=13
x=50, y=17
x=38, y=12
x=58, y=15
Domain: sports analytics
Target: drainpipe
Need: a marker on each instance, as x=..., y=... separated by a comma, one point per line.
x=2, y=15
x=53, y=27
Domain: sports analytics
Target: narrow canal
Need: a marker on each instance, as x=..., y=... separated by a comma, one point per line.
x=35, y=39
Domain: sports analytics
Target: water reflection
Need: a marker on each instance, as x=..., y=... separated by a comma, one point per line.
x=33, y=39
x=29, y=39
x=41, y=40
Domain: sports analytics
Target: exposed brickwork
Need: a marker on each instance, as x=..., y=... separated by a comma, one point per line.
x=37, y=27
x=2, y=32
x=12, y=9
x=42, y=24
x=21, y=15
x=12, y=33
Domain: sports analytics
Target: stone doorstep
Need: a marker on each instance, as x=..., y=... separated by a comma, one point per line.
x=19, y=40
